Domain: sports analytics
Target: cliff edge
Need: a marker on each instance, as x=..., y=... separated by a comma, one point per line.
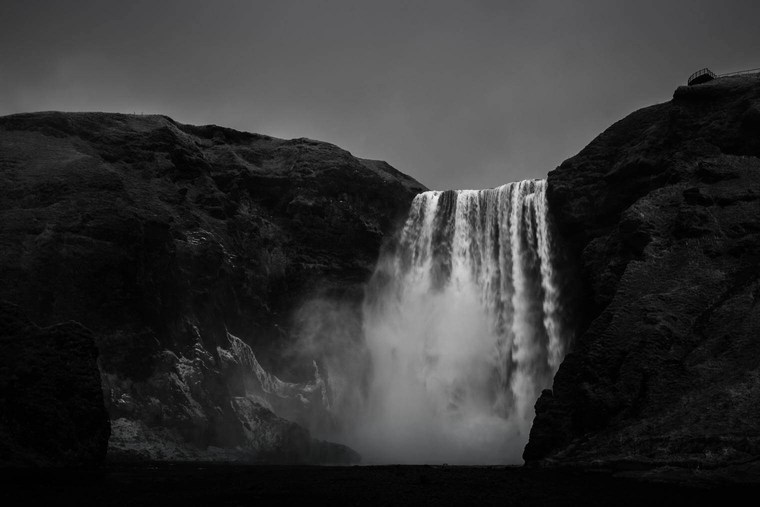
x=661, y=213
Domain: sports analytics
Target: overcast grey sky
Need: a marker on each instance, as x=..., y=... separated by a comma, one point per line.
x=457, y=94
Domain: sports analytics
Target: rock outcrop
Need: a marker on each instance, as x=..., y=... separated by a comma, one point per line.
x=662, y=215
x=51, y=403
x=169, y=242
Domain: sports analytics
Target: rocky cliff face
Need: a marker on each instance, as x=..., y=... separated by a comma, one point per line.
x=185, y=249
x=662, y=214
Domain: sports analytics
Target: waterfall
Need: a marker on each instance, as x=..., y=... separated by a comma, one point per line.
x=462, y=326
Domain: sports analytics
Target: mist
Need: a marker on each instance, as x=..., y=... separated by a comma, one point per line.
x=458, y=332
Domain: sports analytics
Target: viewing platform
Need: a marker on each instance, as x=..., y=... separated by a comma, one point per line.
x=701, y=76
x=705, y=75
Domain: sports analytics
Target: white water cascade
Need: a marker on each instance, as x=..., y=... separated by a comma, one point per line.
x=462, y=327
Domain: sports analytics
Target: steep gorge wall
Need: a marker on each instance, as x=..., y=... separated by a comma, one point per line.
x=174, y=245
x=662, y=215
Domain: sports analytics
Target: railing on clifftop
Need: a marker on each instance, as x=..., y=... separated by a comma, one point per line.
x=739, y=72
x=701, y=76
x=705, y=75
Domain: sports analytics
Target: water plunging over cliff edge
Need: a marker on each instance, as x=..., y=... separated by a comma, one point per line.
x=463, y=329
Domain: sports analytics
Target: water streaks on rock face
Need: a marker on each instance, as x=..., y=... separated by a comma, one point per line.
x=464, y=329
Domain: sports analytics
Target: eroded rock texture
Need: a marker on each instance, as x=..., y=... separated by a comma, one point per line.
x=184, y=249
x=662, y=213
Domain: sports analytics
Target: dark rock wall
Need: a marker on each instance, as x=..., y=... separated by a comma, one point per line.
x=135, y=222
x=162, y=237
x=661, y=213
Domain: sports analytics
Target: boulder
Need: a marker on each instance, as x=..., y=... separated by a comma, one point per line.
x=51, y=403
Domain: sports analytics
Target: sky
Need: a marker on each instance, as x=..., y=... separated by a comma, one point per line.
x=456, y=94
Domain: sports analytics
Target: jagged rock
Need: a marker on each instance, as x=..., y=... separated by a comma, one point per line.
x=51, y=402
x=662, y=214
x=164, y=238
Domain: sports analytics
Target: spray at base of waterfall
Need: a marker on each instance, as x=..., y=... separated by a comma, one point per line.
x=460, y=331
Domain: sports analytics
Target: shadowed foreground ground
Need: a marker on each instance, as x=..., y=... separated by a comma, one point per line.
x=194, y=484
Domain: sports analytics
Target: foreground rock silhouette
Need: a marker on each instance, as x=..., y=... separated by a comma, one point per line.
x=51, y=403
